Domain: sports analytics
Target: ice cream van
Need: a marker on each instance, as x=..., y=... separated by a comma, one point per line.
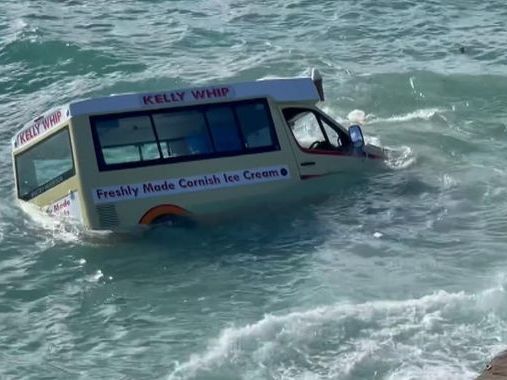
x=115, y=162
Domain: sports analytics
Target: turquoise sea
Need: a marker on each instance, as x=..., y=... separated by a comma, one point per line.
x=401, y=275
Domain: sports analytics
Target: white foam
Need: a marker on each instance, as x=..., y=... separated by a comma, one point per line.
x=493, y=299
x=357, y=116
x=57, y=229
x=16, y=29
x=96, y=277
x=448, y=181
x=373, y=140
x=411, y=80
x=436, y=371
x=299, y=326
x=400, y=158
x=422, y=114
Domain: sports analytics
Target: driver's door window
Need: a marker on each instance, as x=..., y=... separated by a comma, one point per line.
x=332, y=135
x=306, y=129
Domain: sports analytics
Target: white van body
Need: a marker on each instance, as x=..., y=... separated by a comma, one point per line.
x=119, y=161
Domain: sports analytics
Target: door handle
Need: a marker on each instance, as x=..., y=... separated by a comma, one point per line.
x=308, y=163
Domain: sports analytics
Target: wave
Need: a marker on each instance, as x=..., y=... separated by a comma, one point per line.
x=415, y=336
x=400, y=158
x=421, y=114
x=58, y=229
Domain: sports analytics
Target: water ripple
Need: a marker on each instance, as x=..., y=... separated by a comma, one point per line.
x=382, y=278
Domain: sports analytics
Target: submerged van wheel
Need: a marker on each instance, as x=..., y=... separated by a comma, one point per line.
x=173, y=221
x=168, y=215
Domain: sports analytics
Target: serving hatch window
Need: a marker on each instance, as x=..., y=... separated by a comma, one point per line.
x=127, y=139
x=255, y=125
x=182, y=133
x=224, y=132
x=190, y=133
x=44, y=165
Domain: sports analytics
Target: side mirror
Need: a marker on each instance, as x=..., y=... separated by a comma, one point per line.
x=356, y=136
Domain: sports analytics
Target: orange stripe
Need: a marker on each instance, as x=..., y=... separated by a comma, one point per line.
x=162, y=210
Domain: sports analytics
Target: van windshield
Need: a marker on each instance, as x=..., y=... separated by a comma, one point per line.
x=44, y=165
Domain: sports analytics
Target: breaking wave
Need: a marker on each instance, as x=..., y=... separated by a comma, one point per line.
x=413, y=337
x=422, y=114
x=401, y=158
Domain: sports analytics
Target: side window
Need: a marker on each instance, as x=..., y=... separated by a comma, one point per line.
x=44, y=165
x=223, y=129
x=182, y=133
x=255, y=125
x=174, y=135
x=334, y=137
x=127, y=139
x=312, y=130
x=306, y=128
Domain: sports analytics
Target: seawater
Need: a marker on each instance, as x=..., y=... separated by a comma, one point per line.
x=399, y=275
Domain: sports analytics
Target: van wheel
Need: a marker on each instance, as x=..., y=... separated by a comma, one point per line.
x=173, y=221
x=166, y=214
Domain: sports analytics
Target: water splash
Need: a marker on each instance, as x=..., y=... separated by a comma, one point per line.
x=400, y=158
x=413, y=333
x=357, y=116
x=422, y=114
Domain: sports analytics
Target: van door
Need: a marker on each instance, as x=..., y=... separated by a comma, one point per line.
x=321, y=146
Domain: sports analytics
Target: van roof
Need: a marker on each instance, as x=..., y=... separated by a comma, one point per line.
x=280, y=90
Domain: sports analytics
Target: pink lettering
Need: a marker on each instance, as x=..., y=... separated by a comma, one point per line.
x=172, y=97
x=198, y=94
x=211, y=93
x=61, y=207
x=180, y=96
